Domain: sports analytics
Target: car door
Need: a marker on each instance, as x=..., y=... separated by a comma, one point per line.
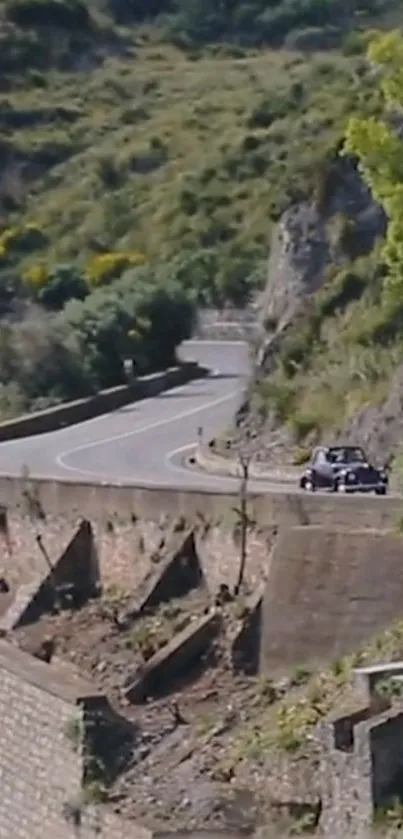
x=323, y=469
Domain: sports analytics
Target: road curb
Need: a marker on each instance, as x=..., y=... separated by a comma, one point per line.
x=215, y=464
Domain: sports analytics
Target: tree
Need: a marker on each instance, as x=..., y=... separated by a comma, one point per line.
x=37, y=358
x=162, y=312
x=99, y=328
x=379, y=152
x=140, y=316
x=53, y=288
x=138, y=10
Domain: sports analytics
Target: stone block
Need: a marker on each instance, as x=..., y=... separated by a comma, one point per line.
x=365, y=679
x=174, y=575
x=245, y=646
x=185, y=649
x=329, y=591
x=24, y=596
x=74, y=574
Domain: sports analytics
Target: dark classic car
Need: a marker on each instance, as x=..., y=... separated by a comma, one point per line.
x=343, y=469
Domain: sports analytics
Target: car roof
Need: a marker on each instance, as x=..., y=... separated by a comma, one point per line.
x=342, y=446
x=336, y=446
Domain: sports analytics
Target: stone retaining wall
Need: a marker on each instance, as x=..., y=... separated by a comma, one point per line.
x=70, y=413
x=123, y=503
x=41, y=768
x=330, y=590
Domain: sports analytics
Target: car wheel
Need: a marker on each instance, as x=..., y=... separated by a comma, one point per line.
x=380, y=491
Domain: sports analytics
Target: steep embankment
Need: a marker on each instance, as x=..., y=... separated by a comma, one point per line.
x=330, y=365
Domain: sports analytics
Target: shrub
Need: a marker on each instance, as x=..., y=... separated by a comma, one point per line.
x=125, y=11
x=267, y=111
x=21, y=240
x=348, y=285
x=36, y=276
x=150, y=157
x=109, y=171
x=64, y=14
x=105, y=267
x=20, y=50
x=314, y=38
x=294, y=723
x=354, y=43
x=53, y=288
x=303, y=424
x=278, y=396
x=140, y=316
x=301, y=456
x=37, y=357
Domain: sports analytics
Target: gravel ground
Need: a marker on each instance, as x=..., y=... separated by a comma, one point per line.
x=176, y=774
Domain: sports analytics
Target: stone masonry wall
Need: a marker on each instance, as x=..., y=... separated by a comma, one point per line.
x=360, y=772
x=329, y=591
x=346, y=785
x=123, y=548
x=41, y=772
x=66, y=499
x=386, y=741
x=130, y=524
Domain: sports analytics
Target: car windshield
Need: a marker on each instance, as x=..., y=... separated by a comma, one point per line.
x=346, y=454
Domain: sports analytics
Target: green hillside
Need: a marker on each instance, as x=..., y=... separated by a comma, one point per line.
x=339, y=369
x=159, y=141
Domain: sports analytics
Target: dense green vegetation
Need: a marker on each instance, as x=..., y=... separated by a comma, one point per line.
x=146, y=149
x=346, y=351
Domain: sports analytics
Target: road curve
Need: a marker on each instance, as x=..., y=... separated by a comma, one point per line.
x=144, y=442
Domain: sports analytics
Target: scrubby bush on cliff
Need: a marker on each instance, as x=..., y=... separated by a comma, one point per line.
x=379, y=151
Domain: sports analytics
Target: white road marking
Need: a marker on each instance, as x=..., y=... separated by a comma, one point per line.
x=60, y=459
x=198, y=472
x=77, y=426
x=199, y=342
x=174, y=468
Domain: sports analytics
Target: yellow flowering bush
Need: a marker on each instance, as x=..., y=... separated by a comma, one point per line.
x=8, y=239
x=36, y=276
x=105, y=267
x=26, y=238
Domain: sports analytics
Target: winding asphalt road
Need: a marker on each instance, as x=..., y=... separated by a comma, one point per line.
x=145, y=443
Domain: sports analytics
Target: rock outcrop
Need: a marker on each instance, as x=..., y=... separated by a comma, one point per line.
x=341, y=223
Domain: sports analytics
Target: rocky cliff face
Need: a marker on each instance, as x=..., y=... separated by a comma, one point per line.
x=340, y=224
x=343, y=222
